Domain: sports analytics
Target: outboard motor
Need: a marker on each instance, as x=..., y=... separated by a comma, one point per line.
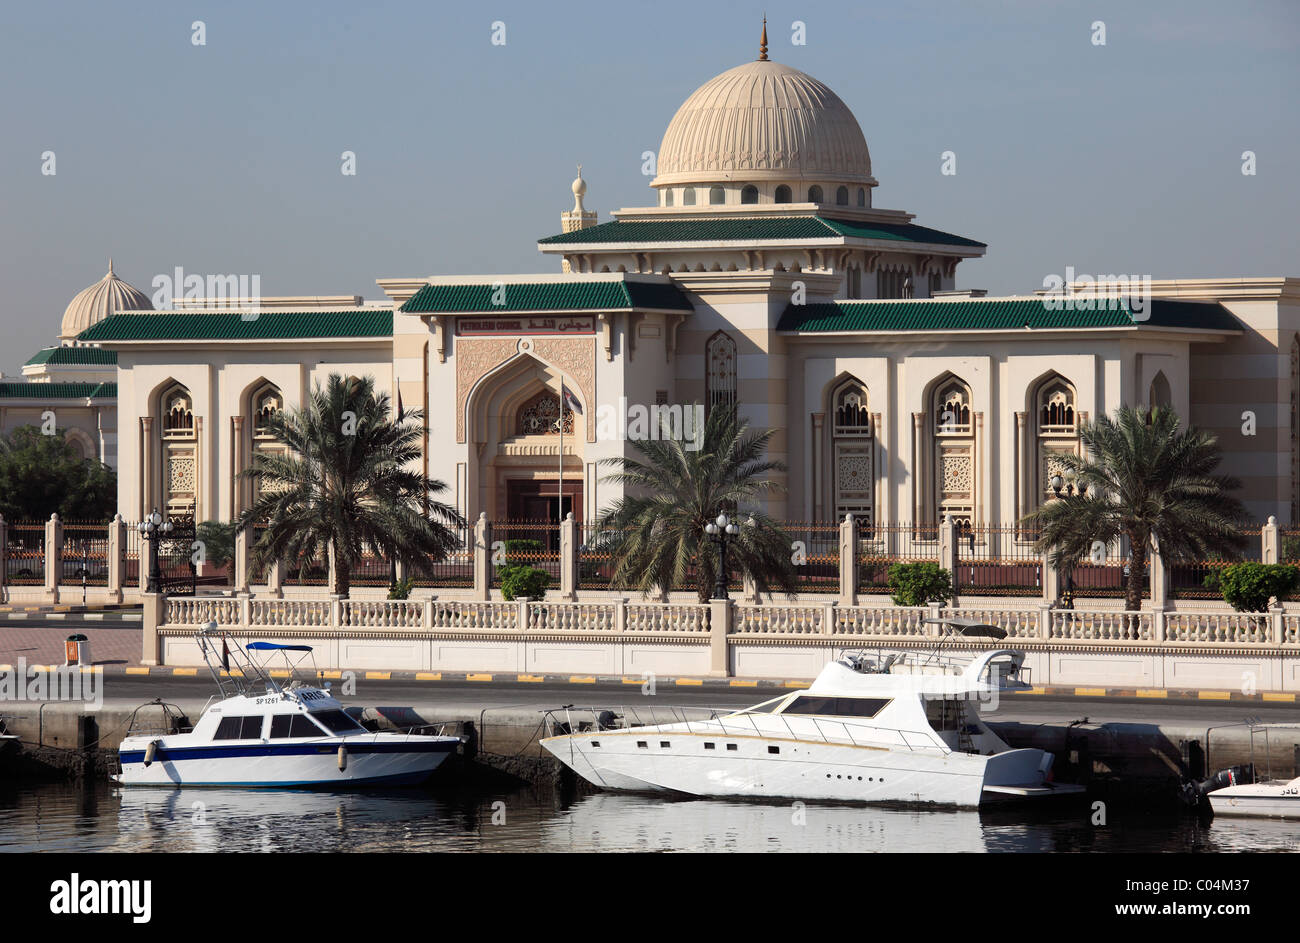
x=1194, y=793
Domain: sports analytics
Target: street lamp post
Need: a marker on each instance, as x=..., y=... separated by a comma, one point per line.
x=153, y=529
x=1059, y=484
x=722, y=531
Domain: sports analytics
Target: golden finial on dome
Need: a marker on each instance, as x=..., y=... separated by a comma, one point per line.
x=762, y=43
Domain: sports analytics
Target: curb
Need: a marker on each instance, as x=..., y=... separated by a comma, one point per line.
x=1162, y=694
x=63, y=613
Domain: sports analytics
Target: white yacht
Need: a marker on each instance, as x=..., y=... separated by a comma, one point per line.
x=898, y=728
x=260, y=733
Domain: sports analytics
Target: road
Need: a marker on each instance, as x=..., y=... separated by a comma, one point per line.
x=469, y=697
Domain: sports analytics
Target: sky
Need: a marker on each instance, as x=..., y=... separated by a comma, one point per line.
x=226, y=157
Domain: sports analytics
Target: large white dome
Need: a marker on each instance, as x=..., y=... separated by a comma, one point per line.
x=104, y=298
x=763, y=121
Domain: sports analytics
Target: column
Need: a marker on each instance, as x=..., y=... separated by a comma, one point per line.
x=116, y=557
x=148, y=469
x=568, y=558
x=1270, y=542
x=848, y=562
x=482, y=558
x=241, y=561
x=818, y=448
x=719, y=628
x=1159, y=579
x=53, y=557
x=948, y=539
x=919, y=475
x=4, y=557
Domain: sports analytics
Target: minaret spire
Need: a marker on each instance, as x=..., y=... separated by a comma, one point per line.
x=762, y=43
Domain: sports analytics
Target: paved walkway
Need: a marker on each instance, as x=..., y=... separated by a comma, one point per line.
x=41, y=643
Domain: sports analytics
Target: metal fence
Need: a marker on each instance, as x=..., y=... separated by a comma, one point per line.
x=521, y=542
x=880, y=546
x=816, y=555
x=998, y=560
x=84, y=553
x=456, y=570
x=25, y=559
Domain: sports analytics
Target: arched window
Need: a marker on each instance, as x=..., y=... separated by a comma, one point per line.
x=814, y=194
x=264, y=404
x=717, y=196
x=720, y=366
x=953, y=435
x=1056, y=430
x=688, y=196
x=540, y=415
x=749, y=194
x=668, y=197
x=783, y=194
x=179, y=453
x=862, y=196
x=1159, y=393
x=893, y=282
x=852, y=453
x=842, y=196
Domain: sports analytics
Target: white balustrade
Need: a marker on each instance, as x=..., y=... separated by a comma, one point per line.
x=183, y=610
x=573, y=617
x=1018, y=623
x=1232, y=628
x=778, y=620
x=289, y=612
x=891, y=621
x=475, y=615
x=1101, y=625
x=381, y=613
x=667, y=617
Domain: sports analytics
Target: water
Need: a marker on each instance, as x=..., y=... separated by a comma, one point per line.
x=105, y=817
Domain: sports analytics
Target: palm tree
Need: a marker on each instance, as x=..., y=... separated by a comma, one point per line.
x=1147, y=479
x=346, y=482
x=655, y=534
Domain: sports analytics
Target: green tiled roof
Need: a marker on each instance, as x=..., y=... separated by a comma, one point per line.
x=267, y=325
x=994, y=315
x=58, y=390
x=576, y=295
x=769, y=229
x=74, y=355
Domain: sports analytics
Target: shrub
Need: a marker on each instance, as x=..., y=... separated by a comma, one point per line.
x=401, y=589
x=1248, y=587
x=915, y=584
x=519, y=581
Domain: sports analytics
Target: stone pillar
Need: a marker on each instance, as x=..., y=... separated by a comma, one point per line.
x=1158, y=577
x=1270, y=542
x=829, y=618
x=155, y=611
x=749, y=592
x=848, y=562
x=1051, y=579
x=620, y=615
x=275, y=580
x=819, y=490
x=568, y=558
x=720, y=613
x=918, y=462
x=482, y=558
x=948, y=540
x=53, y=557
x=240, y=576
x=332, y=572
x=4, y=558
x=148, y=470
x=116, y=557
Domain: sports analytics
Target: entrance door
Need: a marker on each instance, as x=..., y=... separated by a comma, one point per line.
x=535, y=500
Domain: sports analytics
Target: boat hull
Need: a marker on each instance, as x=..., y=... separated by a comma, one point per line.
x=1255, y=801
x=757, y=767
x=401, y=761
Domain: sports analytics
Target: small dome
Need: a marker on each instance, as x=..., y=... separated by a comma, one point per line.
x=106, y=297
x=763, y=121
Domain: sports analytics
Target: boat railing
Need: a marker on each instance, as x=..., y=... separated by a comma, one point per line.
x=724, y=722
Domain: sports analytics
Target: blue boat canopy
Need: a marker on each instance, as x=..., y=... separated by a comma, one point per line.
x=276, y=647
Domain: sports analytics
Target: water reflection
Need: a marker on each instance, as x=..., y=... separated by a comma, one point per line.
x=104, y=817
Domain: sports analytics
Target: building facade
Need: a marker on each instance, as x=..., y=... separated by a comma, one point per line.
x=764, y=275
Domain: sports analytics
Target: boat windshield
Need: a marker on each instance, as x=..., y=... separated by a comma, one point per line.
x=338, y=722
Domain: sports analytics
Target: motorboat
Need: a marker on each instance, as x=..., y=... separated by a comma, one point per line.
x=1238, y=791
x=902, y=727
x=259, y=732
